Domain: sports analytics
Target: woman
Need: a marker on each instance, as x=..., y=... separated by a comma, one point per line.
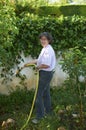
x=46, y=64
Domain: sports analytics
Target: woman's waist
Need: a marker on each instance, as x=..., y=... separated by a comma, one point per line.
x=47, y=71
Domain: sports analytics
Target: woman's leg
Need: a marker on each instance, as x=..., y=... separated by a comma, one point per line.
x=46, y=95
x=47, y=100
x=44, y=87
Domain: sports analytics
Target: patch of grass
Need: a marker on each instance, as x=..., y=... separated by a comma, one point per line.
x=17, y=106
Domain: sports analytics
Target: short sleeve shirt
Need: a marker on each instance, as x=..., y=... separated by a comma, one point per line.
x=47, y=57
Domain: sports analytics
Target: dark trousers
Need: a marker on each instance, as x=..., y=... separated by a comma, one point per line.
x=43, y=100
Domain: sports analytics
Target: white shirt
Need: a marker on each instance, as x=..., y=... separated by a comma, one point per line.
x=47, y=57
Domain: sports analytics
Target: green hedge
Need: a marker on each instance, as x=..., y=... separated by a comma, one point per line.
x=49, y=10
x=73, y=10
x=53, y=10
x=67, y=10
x=67, y=32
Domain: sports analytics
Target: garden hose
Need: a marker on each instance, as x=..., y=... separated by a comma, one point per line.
x=31, y=110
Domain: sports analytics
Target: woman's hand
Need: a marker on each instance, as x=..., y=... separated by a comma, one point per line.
x=32, y=62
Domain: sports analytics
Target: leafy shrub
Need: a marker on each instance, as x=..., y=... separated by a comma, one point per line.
x=24, y=8
x=74, y=63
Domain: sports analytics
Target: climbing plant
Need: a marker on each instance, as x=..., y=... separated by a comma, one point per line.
x=8, y=31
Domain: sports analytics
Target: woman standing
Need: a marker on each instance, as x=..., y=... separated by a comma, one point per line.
x=46, y=64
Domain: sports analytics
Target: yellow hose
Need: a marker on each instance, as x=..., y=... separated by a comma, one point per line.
x=31, y=110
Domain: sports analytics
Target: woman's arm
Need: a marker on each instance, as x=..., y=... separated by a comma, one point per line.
x=43, y=66
x=31, y=62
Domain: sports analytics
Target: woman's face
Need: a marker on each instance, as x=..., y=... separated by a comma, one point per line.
x=44, y=41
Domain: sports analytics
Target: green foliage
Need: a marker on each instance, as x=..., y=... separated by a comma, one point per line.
x=55, y=11
x=73, y=10
x=74, y=64
x=67, y=32
x=8, y=31
x=17, y=106
x=19, y=33
x=43, y=8
x=18, y=97
x=34, y=3
x=49, y=10
x=66, y=10
x=24, y=8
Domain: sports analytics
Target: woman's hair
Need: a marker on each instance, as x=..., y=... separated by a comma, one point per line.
x=47, y=35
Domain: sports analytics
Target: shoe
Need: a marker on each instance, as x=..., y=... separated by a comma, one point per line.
x=35, y=121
